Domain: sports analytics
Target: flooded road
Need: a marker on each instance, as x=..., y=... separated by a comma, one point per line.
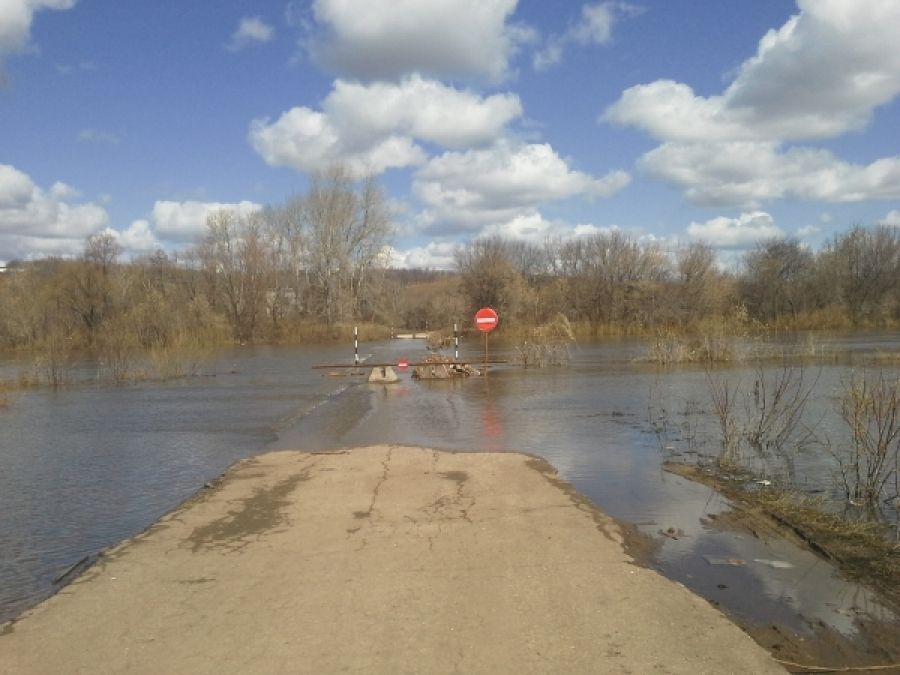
x=84, y=468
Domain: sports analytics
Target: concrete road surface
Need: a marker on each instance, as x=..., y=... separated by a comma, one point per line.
x=378, y=560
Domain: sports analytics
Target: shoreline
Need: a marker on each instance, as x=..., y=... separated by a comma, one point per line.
x=386, y=558
x=764, y=515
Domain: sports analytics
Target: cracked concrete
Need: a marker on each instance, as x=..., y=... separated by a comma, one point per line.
x=380, y=560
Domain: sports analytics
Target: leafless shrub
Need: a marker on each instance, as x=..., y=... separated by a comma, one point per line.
x=435, y=341
x=669, y=349
x=171, y=362
x=116, y=353
x=724, y=399
x=771, y=422
x=868, y=465
x=53, y=360
x=776, y=407
x=547, y=345
x=775, y=428
x=6, y=398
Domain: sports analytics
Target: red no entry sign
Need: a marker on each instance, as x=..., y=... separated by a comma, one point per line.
x=486, y=319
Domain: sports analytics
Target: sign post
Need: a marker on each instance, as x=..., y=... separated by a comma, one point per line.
x=486, y=320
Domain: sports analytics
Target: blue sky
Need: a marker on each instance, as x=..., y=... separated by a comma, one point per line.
x=727, y=122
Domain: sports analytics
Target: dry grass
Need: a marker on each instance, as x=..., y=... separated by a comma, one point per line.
x=884, y=358
x=317, y=332
x=6, y=400
x=827, y=318
x=546, y=345
x=671, y=349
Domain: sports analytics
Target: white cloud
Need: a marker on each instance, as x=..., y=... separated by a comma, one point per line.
x=28, y=210
x=531, y=227
x=16, y=17
x=251, y=30
x=819, y=76
x=748, y=174
x=892, y=218
x=596, y=23
x=23, y=247
x=308, y=140
x=97, y=136
x=741, y=232
x=186, y=221
x=43, y=221
x=503, y=182
x=809, y=230
x=375, y=127
x=434, y=255
x=424, y=109
x=594, y=27
x=386, y=39
x=671, y=111
x=82, y=66
x=137, y=238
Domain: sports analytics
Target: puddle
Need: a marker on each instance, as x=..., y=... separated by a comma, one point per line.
x=763, y=579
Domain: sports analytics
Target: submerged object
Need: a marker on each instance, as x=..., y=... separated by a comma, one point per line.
x=383, y=375
x=441, y=368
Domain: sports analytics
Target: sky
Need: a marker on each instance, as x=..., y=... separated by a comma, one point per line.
x=696, y=120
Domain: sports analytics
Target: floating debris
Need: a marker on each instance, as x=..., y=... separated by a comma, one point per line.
x=437, y=367
x=732, y=562
x=777, y=564
x=672, y=533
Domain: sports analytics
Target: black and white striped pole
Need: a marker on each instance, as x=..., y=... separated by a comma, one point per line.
x=455, y=343
x=355, y=345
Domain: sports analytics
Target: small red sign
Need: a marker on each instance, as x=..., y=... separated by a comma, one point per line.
x=486, y=319
x=403, y=363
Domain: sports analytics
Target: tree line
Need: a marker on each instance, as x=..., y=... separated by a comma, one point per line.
x=317, y=263
x=610, y=281
x=317, y=259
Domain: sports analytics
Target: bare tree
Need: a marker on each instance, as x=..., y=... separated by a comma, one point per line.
x=775, y=278
x=346, y=232
x=616, y=271
x=697, y=276
x=865, y=265
x=236, y=260
x=88, y=286
x=489, y=275
x=102, y=249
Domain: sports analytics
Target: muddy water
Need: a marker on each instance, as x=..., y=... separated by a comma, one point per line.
x=84, y=468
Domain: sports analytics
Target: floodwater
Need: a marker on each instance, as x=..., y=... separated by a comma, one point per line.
x=83, y=468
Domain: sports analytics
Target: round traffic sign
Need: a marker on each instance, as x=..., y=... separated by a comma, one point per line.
x=486, y=319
